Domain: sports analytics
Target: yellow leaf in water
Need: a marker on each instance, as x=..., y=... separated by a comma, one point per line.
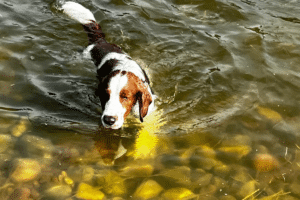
x=270, y=114
x=178, y=194
x=86, y=191
x=147, y=190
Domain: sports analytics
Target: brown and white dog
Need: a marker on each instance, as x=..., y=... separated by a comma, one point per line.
x=123, y=84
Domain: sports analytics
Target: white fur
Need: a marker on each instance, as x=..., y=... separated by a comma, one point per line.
x=114, y=107
x=151, y=107
x=78, y=12
x=87, y=52
x=124, y=64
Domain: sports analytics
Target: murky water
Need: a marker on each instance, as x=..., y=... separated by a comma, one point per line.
x=227, y=121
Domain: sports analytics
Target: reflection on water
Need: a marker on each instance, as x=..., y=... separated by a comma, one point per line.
x=227, y=120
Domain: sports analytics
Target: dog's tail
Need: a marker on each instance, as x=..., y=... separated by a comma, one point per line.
x=85, y=17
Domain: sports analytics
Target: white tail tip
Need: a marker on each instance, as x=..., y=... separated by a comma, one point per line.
x=78, y=12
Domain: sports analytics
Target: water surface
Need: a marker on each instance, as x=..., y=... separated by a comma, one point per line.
x=225, y=73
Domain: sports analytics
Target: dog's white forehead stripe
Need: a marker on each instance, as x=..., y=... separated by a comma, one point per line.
x=114, y=107
x=125, y=63
x=116, y=84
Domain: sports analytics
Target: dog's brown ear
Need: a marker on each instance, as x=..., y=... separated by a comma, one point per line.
x=144, y=98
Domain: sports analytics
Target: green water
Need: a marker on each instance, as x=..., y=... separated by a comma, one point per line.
x=226, y=74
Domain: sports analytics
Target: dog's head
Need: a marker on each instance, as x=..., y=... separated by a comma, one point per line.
x=119, y=92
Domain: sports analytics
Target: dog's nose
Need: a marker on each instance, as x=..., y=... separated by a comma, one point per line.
x=109, y=120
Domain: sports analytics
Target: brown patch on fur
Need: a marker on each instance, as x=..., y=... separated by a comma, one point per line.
x=134, y=91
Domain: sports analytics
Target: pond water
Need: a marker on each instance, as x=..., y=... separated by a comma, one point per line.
x=227, y=121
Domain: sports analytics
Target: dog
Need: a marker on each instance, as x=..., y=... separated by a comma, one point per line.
x=123, y=84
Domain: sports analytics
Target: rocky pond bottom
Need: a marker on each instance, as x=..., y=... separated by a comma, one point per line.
x=149, y=166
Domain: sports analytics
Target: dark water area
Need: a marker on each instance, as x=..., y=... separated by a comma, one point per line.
x=227, y=123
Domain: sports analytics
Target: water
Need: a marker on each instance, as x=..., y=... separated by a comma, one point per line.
x=225, y=73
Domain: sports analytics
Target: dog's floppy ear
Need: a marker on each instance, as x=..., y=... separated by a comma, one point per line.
x=144, y=98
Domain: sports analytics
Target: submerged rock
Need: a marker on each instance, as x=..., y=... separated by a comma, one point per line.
x=20, y=128
x=265, y=162
x=235, y=152
x=205, y=151
x=247, y=189
x=237, y=140
x=169, y=160
x=241, y=174
x=227, y=197
x=222, y=170
x=178, y=194
x=25, y=170
x=294, y=188
x=34, y=146
x=7, y=142
x=269, y=114
x=63, y=178
x=58, y=192
x=180, y=175
x=250, y=122
x=81, y=173
x=287, y=135
x=20, y=194
x=5, y=54
x=66, y=153
x=202, y=162
x=111, y=182
x=88, y=192
x=147, y=190
x=4, y=159
x=202, y=151
x=202, y=180
x=137, y=170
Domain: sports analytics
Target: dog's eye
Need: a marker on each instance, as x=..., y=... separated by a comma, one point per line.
x=124, y=96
